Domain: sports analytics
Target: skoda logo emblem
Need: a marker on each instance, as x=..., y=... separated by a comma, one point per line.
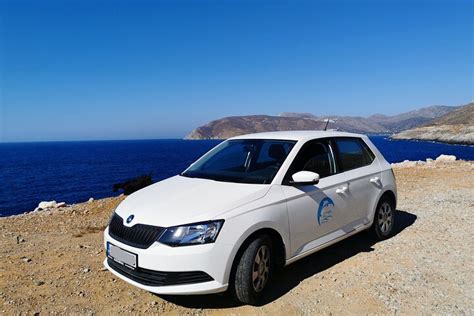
x=130, y=218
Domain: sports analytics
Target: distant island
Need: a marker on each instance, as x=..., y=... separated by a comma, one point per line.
x=455, y=124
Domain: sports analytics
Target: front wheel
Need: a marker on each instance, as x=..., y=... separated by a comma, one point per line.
x=254, y=270
x=384, y=219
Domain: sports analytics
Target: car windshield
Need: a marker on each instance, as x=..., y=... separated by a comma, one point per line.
x=242, y=161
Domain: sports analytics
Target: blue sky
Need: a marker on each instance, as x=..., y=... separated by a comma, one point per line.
x=74, y=70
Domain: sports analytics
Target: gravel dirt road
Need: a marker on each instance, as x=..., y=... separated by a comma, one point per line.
x=51, y=261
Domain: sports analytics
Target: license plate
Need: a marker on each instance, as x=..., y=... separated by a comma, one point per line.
x=121, y=256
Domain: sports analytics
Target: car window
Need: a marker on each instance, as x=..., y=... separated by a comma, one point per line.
x=353, y=153
x=231, y=157
x=315, y=156
x=243, y=161
x=272, y=151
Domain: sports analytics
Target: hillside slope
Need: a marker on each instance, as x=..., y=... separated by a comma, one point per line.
x=375, y=124
x=455, y=127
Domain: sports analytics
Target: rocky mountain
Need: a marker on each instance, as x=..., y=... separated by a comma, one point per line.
x=375, y=124
x=454, y=127
x=239, y=125
x=411, y=119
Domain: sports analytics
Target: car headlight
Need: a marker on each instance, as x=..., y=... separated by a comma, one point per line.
x=191, y=234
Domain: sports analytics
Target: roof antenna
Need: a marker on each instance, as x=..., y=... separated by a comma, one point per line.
x=327, y=123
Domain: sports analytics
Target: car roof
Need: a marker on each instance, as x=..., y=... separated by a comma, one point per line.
x=297, y=135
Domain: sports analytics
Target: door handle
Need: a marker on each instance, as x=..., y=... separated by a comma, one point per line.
x=375, y=180
x=341, y=190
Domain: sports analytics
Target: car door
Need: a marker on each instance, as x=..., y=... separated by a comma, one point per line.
x=358, y=165
x=316, y=212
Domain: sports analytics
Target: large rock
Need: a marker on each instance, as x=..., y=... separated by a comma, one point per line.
x=45, y=205
x=133, y=185
x=446, y=158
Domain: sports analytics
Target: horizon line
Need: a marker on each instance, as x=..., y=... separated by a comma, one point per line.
x=89, y=140
x=132, y=139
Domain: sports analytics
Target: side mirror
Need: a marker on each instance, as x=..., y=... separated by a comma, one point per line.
x=305, y=178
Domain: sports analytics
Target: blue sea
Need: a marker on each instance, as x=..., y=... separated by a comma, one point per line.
x=75, y=171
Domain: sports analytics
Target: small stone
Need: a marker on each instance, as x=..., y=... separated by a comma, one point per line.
x=39, y=283
x=61, y=204
x=25, y=259
x=85, y=270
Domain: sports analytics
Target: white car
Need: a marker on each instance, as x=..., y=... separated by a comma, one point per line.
x=252, y=204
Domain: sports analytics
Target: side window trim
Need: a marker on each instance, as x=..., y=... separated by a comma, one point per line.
x=369, y=151
x=337, y=157
x=333, y=157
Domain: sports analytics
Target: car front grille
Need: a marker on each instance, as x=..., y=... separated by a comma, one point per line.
x=159, y=278
x=138, y=235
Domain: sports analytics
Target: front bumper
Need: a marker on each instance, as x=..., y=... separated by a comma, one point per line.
x=209, y=258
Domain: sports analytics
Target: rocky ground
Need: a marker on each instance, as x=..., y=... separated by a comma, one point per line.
x=52, y=261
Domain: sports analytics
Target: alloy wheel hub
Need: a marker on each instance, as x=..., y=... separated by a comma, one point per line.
x=385, y=218
x=261, y=268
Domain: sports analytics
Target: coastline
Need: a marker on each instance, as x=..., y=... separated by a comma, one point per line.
x=447, y=134
x=392, y=138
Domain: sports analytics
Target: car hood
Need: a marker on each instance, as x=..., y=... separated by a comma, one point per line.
x=181, y=200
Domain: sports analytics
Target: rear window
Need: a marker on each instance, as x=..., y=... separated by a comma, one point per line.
x=353, y=153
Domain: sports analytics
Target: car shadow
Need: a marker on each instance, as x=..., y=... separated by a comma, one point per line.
x=292, y=275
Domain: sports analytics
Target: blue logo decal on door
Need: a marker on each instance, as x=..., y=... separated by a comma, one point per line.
x=325, y=210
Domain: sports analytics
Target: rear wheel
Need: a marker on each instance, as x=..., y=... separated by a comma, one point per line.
x=384, y=219
x=254, y=270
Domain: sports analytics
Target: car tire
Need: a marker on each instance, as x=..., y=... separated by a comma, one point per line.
x=254, y=269
x=384, y=219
